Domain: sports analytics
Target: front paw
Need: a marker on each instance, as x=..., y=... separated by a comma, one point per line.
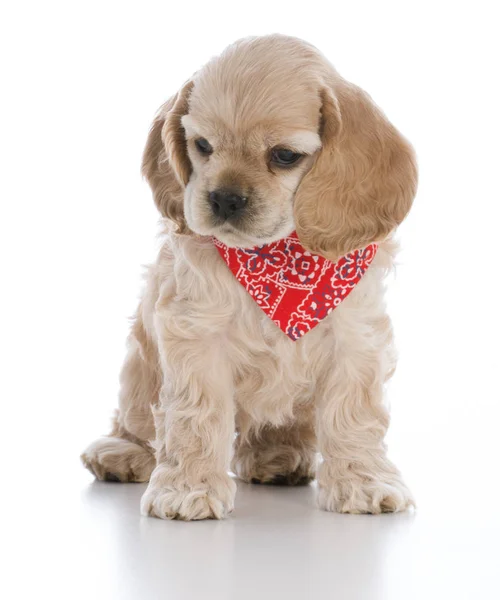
x=346, y=491
x=171, y=496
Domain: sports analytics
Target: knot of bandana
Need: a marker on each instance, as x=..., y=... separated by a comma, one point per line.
x=295, y=288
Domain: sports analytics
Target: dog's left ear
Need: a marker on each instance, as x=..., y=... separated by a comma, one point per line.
x=363, y=181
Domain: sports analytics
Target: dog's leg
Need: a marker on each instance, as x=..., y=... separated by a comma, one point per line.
x=356, y=476
x=194, y=427
x=125, y=455
x=276, y=455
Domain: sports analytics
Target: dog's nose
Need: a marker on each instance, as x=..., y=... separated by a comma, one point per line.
x=225, y=204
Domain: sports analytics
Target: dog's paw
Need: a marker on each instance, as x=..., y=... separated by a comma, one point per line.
x=116, y=459
x=288, y=467
x=168, y=497
x=351, y=493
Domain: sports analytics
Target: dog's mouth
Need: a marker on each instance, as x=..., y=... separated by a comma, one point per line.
x=235, y=236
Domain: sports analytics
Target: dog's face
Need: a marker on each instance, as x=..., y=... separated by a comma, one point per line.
x=246, y=167
x=267, y=138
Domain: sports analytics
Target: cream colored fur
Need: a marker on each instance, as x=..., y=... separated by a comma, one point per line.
x=204, y=361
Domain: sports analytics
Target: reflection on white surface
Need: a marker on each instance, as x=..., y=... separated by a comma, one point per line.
x=275, y=543
x=89, y=541
x=278, y=544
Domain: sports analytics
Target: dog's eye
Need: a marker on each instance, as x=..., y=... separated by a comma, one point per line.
x=285, y=157
x=203, y=146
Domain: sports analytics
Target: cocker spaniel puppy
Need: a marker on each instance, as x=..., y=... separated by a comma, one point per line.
x=262, y=338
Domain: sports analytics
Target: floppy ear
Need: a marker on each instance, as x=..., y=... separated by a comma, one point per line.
x=165, y=162
x=363, y=181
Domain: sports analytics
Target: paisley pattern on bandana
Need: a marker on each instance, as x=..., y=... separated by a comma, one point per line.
x=295, y=288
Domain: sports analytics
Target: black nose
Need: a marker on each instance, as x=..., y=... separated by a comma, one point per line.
x=226, y=204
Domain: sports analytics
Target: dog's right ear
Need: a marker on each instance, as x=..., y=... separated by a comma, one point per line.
x=165, y=162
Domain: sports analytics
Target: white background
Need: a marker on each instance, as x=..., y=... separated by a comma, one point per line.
x=81, y=82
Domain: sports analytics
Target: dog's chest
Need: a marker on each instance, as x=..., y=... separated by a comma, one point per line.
x=276, y=374
x=272, y=373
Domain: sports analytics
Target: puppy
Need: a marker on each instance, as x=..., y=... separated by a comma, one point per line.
x=266, y=140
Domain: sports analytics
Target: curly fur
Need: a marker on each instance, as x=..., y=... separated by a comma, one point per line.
x=204, y=361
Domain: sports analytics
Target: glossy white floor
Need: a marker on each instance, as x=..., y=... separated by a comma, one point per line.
x=72, y=537
x=277, y=545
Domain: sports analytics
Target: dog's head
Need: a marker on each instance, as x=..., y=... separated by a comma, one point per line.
x=267, y=139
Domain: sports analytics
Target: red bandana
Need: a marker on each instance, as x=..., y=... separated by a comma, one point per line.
x=295, y=288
